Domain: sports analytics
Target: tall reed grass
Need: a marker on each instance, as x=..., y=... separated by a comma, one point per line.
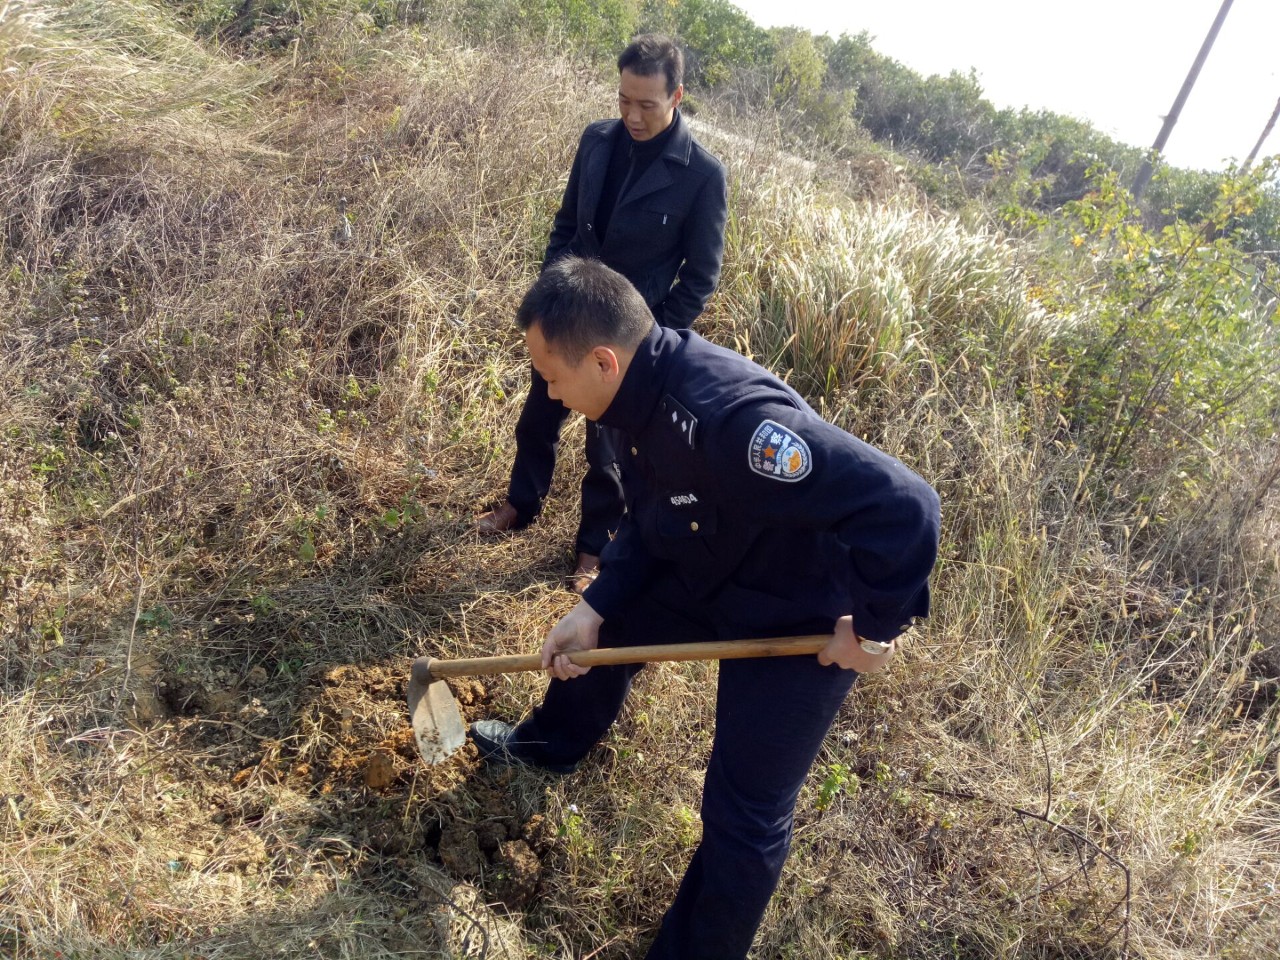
x=851, y=296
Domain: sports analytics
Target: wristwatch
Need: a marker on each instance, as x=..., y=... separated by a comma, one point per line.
x=875, y=647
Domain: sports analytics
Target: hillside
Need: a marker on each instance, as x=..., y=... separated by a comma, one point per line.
x=240, y=458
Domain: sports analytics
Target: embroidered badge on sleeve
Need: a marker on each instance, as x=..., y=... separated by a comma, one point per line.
x=778, y=453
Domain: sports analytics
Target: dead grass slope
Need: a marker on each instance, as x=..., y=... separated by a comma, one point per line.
x=238, y=459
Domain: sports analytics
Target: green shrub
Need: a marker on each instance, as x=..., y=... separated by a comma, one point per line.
x=1179, y=350
x=717, y=36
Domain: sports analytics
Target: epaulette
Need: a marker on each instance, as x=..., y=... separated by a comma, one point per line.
x=680, y=418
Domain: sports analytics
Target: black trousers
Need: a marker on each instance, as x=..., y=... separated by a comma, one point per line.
x=771, y=718
x=537, y=440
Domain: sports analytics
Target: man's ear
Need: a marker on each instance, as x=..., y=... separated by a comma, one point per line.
x=606, y=362
x=678, y=95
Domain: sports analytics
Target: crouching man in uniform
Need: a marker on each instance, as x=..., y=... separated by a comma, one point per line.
x=748, y=516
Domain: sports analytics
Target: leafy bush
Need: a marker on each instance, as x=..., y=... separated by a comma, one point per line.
x=717, y=36
x=1195, y=196
x=1180, y=350
x=941, y=118
x=603, y=26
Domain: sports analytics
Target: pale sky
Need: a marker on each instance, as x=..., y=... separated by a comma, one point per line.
x=1118, y=64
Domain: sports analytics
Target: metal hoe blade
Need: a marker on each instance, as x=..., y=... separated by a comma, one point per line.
x=437, y=723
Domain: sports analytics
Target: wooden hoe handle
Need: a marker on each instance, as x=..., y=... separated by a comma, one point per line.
x=606, y=656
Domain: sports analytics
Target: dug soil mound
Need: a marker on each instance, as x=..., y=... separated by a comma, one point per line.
x=345, y=748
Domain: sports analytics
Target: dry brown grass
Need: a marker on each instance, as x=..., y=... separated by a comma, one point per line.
x=237, y=470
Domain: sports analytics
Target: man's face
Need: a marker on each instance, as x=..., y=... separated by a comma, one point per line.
x=587, y=387
x=646, y=107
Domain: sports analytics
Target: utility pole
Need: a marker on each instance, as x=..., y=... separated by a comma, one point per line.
x=1144, y=172
x=1266, y=132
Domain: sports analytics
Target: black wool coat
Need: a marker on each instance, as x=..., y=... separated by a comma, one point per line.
x=667, y=232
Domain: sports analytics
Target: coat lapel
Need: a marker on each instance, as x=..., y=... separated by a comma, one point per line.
x=594, y=170
x=658, y=176
x=654, y=179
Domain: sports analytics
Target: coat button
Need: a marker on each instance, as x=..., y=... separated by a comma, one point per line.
x=634, y=451
x=694, y=526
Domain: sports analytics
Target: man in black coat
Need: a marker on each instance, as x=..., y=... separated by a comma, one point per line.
x=647, y=199
x=748, y=517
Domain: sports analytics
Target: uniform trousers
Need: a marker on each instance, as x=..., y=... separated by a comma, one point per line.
x=771, y=717
x=537, y=440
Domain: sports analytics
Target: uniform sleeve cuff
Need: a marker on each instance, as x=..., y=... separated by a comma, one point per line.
x=880, y=630
x=605, y=595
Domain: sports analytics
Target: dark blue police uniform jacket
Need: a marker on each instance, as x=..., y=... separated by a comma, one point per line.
x=749, y=516
x=667, y=228
x=769, y=516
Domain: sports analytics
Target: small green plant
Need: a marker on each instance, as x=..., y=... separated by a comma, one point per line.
x=838, y=777
x=687, y=826
x=50, y=630
x=159, y=618
x=1188, y=845
x=409, y=510
x=307, y=548
x=51, y=459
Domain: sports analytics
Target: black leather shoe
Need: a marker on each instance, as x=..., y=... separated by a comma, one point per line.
x=491, y=738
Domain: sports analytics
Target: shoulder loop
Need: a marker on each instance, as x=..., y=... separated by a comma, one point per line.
x=678, y=418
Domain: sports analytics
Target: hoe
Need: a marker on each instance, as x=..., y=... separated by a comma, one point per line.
x=437, y=722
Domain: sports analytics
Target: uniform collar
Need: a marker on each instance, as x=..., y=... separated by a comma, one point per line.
x=643, y=383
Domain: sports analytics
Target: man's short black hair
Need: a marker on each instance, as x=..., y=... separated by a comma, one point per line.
x=652, y=53
x=579, y=304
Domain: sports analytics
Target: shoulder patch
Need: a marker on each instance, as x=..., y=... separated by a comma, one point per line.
x=779, y=453
x=678, y=418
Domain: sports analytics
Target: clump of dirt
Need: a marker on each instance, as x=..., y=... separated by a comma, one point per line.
x=491, y=843
x=517, y=872
x=470, y=693
x=353, y=731
x=460, y=851
x=242, y=851
x=380, y=769
x=145, y=705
